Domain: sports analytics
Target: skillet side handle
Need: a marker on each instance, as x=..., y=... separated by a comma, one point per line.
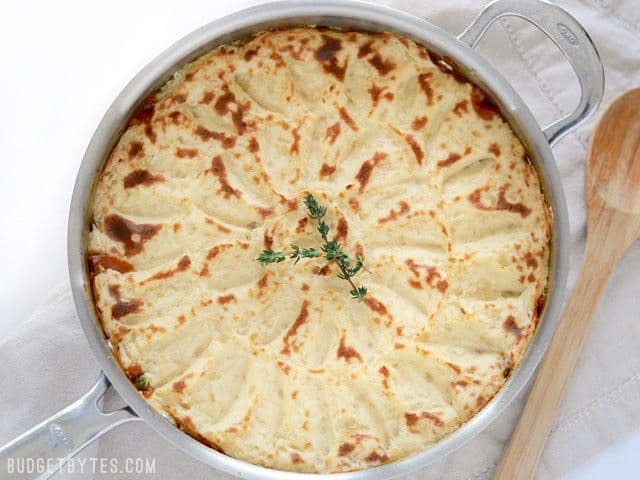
x=44, y=449
x=570, y=37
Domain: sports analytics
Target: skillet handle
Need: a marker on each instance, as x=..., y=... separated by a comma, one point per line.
x=45, y=448
x=570, y=37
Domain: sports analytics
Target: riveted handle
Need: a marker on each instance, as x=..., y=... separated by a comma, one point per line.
x=44, y=449
x=570, y=37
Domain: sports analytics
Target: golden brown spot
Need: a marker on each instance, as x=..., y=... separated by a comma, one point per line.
x=412, y=419
x=224, y=299
x=135, y=148
x=176, y=117
x=342, y=229
x=132, y=235
x=433, y=277
x=305, y=287
x=295, y=145
x=134, y=371
x=295, y=458
x=450, y=160
x=461, y=107
x=183, y=264
x=530, y=260
x=482, y=104
x=365, y=49
x=227, y=141
x=346, y=118
x=278, y=60
x=495, y=149
x=454, y=367
x=539, y=307
x=326, y=55
x=144, y=112
x=502, y=204
x=299, y=321
x=141, y=177
x=448, y=66
x=220, y=172
x=354, y=204
x=264, y=212
x=345, y=449
x=324, y=271
x=375, y=457
x=207, y=97
x=510, y=326
x=214, y=251
x=250, y=53
x=178, y=386
x=186, y=152
x=178, y=98
x=434, y=418
x=186, y=425
x=253, y=146
x=302, y=224
x=267, y=240
x=425, y=86
x=99, y=262
x=222, y=107
x=346, y=351
x=150, y=134
x=419, y=123
x=395, y=214
x=383, y=66
x=384, y=371
x=153, y=328
x=364, y=174
x=415, y=148
x=377, y=93
x=327, y=170
x=332, y=133
x=284, y=367
x=121, y=308
x=375, y=305
x=263, y=280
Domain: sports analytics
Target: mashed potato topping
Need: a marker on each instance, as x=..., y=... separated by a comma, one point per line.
x=275, y=364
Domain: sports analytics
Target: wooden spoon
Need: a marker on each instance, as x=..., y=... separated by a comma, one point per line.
x=612, y=190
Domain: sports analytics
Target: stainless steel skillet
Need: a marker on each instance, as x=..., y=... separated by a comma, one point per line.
x=70, y=430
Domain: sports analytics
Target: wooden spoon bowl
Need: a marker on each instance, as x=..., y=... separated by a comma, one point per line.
x=612, y=190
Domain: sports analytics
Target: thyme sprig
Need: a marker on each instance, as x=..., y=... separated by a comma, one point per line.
x=331, y=250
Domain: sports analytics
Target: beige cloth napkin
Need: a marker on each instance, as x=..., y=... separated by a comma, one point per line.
x=47, y=363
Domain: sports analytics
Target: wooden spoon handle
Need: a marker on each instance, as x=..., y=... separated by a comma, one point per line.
x=530, y=435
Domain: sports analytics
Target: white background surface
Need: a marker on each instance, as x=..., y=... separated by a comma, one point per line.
x=63, y=63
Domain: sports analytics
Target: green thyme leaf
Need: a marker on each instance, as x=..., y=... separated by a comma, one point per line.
x=310, y=253
x=269, y=256
x=315, y=210
x=323, y=228
x=358, y=293
x=297, y=253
